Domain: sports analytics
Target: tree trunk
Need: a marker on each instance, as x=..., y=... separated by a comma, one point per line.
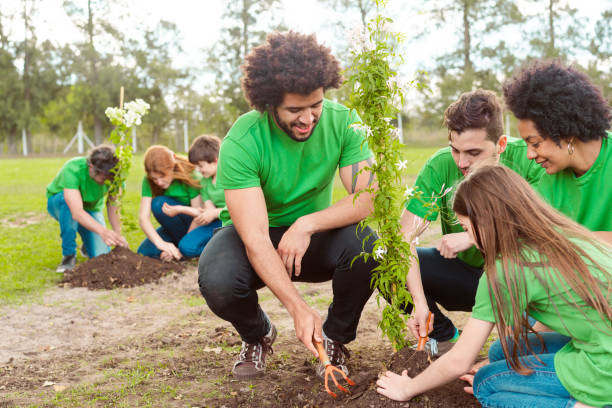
x=467, y=62
x=97, y=130
x=551, y=28
x=12, y=141
x=94, y=76
x=155, y=136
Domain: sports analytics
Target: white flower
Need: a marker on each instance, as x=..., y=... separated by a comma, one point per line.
x=401, y=165
x=114, y=114
x=409, y=192
x=395, y=133
x=380, y=251
x=416, y=240
x=131, y=118
x=138, y=106
x=360, y=127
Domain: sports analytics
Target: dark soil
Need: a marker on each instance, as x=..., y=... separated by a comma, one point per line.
x=120, y=268
x=296, y=385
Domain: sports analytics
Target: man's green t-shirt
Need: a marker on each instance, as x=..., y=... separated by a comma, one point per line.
x=296, y=177
x=441, y=173
x=181, y=192
x=74, y=174
x=586, y=199
x=584, y=364
x=210, y=191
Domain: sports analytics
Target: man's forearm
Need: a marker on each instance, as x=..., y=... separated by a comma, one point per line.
x=339, y=215
x=87, y=221
x=269, y=267
x=114, y=219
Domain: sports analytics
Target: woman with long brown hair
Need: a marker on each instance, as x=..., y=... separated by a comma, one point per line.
x=172, y=180
x=538, y=263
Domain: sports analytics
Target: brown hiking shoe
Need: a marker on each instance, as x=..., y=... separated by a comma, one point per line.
x=338, y=355
x=252, y=360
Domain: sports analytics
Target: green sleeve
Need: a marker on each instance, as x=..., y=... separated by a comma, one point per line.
x=146, y=188
x=71, y=178
x=237, y=168
x=427, y=186
x=354, y=146
x=483, y=308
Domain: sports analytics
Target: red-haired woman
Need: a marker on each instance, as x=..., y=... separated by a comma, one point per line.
x=170, y=179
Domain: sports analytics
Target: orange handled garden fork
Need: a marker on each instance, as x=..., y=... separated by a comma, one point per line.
x=330, y=369
x=423, y=340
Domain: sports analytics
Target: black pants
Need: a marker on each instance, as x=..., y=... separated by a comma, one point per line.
x=450, y=282
x=229, y=284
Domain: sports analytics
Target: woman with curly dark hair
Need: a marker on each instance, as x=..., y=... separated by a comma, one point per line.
x=564, y=119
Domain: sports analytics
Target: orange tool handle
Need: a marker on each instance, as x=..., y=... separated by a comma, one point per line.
x=423, y=340
x=322, y=354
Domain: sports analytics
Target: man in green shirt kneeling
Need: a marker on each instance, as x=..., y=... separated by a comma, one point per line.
x=277, y=166
x=450, y=272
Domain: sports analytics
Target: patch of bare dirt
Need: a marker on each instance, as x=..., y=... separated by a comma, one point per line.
x=23, y=220
x=120, y=268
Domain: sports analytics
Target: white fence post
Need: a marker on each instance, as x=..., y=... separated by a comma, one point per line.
x=24, y=141
x=507, y=132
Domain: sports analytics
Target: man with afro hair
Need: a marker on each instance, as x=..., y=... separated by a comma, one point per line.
x=277, y=166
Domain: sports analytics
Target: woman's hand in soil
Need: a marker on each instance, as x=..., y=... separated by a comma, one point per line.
x=394, y=386
x=308, y=326
x=170, y=249
x=293, y=246
x=418, y=322
x=169, y=210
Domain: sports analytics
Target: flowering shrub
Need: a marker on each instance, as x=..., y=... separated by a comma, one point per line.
x=124, y=120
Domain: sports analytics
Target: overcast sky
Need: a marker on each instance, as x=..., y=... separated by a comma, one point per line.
x=200, y=23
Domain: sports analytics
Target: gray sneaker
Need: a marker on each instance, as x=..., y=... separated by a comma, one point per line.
x=338, y=355
x=252, y=360
x=437, y=348
x=68, y=263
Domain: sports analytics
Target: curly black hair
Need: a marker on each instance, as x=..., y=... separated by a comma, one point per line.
x=287, y=62
x=561, y=101
x=478, y=109
x=103, y=159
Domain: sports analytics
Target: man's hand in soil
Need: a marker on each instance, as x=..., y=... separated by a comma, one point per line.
x=308, y=327
x=418, y=322
x=293, y=246
x=452, y=244
x=394, y=386
x=111, y=238
x=206, y=217
x=169, y=251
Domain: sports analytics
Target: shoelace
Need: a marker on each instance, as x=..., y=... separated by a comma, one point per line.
x=252, y=352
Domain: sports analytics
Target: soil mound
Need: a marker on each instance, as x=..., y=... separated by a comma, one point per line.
x=120, y=268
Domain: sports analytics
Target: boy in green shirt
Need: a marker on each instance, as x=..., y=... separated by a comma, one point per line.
x=204, y=154
x=75, y=199
x=451, y=271
x=277, y=166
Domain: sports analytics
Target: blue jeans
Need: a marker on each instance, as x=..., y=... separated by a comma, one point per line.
x=174, y=230
x=498, y=385
x=94, y=245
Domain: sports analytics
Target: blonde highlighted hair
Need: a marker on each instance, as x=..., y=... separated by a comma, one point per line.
x=160, y=159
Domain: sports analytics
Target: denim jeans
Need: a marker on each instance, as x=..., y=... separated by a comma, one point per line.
x=174, y=229
x=450, y=282
x=497, y=385
x=229, y=284
x=94, y=245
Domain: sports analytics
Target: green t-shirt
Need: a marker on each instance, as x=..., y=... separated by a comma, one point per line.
x=584, y=364
x=586, y=199
x=441, y=172
x=296, y=177
x=210, y=191
x=74, y=174
x=181, y=192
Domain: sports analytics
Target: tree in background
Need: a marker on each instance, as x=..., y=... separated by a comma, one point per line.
x=600, y=47
x=225, y=58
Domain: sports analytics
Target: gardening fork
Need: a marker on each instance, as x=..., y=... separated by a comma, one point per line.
x=330, y=369
x=424, y=340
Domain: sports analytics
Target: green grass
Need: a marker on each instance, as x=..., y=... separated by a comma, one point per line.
x=30, y=252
